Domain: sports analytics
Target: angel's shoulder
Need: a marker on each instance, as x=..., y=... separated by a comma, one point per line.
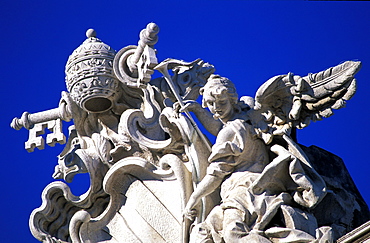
x=233, y=129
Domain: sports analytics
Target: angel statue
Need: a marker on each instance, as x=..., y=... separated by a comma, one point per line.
x=268, y=187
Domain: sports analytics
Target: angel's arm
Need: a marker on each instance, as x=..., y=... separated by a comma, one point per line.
x=208, y=185
x=216, y=172
x=212, y=125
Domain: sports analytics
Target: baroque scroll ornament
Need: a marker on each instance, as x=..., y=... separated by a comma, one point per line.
x=154, y=175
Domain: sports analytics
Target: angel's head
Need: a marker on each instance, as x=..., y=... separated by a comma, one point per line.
x=219, y=95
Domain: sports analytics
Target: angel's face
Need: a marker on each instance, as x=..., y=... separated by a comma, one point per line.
x=220, y=106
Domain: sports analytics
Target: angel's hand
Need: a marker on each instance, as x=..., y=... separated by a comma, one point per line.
x=189, y=105
x=190, y=212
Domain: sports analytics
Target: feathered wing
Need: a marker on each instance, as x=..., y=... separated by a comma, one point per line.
x=288, y=101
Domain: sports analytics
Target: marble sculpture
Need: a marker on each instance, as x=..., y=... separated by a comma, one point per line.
x=154, y=175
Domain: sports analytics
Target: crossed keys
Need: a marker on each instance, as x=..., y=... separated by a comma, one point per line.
x=37, y=128
x=146, y=63
x=35, y=140
x=38, y=122
x=143, y=60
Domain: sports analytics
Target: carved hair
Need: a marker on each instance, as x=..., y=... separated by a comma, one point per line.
x=217, y=85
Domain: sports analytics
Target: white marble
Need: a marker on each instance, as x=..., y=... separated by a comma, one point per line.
x=155, y=177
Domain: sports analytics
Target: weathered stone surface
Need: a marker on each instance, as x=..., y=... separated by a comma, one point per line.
x=347, y=209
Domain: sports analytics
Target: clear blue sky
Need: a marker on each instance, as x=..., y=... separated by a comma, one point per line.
x=248, y=42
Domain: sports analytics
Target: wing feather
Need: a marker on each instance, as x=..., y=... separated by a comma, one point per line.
x=333, y=78
x=288, y=101
x=328, y=90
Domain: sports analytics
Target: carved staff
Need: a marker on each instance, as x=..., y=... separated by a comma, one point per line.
x=163, y=68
